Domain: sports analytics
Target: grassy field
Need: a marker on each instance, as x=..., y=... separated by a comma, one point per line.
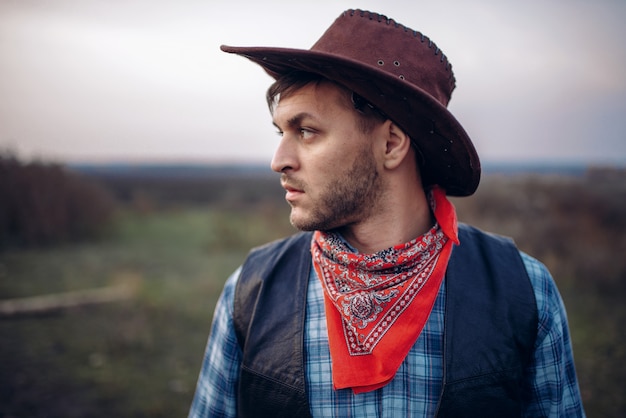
x=131, y=358
x=141, y=357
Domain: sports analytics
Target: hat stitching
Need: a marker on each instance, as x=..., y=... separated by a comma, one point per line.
x=380, y=17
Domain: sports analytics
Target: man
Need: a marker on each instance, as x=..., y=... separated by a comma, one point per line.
x=386, y=307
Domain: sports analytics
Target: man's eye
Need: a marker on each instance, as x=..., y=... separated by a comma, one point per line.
x=306, y=133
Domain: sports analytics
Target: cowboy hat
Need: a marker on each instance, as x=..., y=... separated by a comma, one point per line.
x=399, y=71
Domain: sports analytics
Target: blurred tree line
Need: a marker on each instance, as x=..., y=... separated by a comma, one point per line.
x=44, y=203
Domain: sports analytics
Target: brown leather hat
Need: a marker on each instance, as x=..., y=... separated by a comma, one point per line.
x=399, y=71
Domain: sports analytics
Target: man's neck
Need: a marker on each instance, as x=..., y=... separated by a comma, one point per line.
x=392, y=227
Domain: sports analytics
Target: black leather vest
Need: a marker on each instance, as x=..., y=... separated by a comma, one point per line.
x=490, y=328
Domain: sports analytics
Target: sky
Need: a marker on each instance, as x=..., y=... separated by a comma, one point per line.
x=144, y=80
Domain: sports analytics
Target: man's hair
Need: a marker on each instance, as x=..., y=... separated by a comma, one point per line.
x=368, y=116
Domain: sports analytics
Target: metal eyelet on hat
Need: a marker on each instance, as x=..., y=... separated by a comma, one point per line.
x=396, y=63
x=416, y=34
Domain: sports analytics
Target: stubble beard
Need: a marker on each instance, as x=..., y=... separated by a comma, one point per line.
x=350, y=197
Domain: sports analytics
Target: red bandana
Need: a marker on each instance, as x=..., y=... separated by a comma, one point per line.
x=377, y=304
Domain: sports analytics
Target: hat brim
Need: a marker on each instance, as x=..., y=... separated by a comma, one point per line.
x=448, y=157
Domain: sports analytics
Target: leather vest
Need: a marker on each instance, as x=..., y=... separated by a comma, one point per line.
x=489, y=335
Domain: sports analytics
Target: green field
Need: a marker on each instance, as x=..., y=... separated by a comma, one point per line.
x=141, y=357
x=131, y=358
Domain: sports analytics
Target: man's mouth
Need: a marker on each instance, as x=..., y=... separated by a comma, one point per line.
x=293, y=191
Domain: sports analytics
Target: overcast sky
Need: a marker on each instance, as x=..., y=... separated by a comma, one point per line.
x=144, y=80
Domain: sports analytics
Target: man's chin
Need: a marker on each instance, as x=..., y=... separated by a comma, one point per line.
x=302, y=223
x=309, y=223
x=302, y=226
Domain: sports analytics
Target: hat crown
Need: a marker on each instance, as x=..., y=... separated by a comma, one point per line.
x=380, y=42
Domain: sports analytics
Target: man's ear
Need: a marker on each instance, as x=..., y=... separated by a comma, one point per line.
x=398, y=145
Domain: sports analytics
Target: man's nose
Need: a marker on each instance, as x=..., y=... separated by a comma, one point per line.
x=285, y=156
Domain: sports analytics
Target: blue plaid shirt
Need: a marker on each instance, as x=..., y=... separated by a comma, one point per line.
x=552, y=387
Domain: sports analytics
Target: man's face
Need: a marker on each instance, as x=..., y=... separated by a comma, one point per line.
x=328, y=166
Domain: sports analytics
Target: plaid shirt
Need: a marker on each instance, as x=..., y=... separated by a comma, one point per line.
x=551, y=388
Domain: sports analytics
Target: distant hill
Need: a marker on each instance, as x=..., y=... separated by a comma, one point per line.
x=513, y=168
x=171, y=171
x=247, y=170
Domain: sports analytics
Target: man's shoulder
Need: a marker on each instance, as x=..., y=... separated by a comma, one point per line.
x=538, y=274
x=267, y=275
x=467, y=232
x=262, y=260
x=534, y=267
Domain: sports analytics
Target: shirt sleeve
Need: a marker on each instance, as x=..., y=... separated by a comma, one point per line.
x=215, y=394
x=552, y=387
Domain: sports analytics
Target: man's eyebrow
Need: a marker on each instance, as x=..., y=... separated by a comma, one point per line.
x=296, y=120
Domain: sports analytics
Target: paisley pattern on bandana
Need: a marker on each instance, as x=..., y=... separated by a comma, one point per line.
x=371, y=291
x=377, y=304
